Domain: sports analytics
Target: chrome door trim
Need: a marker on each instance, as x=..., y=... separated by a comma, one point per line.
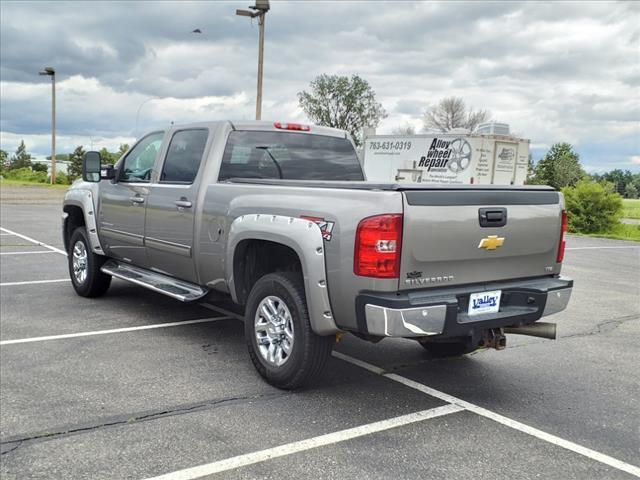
x=170, y=247
x=134, y=238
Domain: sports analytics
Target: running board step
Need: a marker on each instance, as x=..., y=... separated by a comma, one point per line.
x=178, y=289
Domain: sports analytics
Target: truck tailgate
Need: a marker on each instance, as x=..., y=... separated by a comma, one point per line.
x=452, y=237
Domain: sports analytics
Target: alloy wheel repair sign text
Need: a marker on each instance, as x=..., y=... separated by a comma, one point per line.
x=447, y=159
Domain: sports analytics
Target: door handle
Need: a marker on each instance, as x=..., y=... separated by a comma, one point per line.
x=183, y=203
x=137, y=199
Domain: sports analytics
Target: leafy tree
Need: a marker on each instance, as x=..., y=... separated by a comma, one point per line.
x=61, y=179
x=592, y=207
x=124, y=147
x=531, y=170
x=108, y=157
x=619, y=178
x=39, y=167
x=342, y=102
x=635, y=181
x=560, y=167
x=452, y=112
x=406, y=129
x=21, y=158
x=75, y=163
x=4, y=160
x=631, y=191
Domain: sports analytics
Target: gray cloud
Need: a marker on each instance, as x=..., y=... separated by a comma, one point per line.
x=556, y=71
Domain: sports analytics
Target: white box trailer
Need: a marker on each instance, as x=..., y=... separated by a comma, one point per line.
x=449, y=158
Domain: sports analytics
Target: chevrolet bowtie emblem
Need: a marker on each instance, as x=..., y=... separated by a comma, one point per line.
x=491, y=242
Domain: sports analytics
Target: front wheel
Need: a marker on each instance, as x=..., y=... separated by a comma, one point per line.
x=282, y=346
x=84, y=266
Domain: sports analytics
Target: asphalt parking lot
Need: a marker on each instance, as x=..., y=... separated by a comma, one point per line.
x=136, y=385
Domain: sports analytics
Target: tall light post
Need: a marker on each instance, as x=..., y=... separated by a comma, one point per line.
x=52, y=73
x=260, y=9
x=140, y=108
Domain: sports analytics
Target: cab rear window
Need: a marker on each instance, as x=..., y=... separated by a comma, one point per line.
x=290, y=156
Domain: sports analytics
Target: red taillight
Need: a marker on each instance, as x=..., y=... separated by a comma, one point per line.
x=378, y=245
x=292, y=126
x=562, y=243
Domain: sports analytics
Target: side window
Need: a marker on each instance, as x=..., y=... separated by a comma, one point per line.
x=138, y=164
x=184, y=156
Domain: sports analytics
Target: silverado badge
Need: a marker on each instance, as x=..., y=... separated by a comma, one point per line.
x=491, y=242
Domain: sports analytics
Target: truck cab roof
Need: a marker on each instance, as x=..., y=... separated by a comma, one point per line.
x=266, y=125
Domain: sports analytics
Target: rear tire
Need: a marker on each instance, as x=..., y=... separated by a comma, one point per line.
x=449, y=349
x=84, y=266
x=281, y=343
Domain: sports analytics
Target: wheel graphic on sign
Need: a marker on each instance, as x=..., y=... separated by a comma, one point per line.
x=460, y=155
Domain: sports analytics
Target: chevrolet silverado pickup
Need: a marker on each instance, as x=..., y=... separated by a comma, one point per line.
x=279, y=218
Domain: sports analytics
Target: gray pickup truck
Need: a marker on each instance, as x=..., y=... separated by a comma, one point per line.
x=279, y=218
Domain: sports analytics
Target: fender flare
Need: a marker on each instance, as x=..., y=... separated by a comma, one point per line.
x=303, y=237
x=85, y=200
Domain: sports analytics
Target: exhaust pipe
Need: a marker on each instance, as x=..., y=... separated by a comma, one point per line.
x=537, y=329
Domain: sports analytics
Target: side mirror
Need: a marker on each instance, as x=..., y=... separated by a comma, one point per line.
x=91, y=167
x=108, y=172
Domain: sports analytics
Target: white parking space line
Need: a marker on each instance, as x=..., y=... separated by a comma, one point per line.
x=27, y=253
x=29, y=239
x=113, y=330
x=601, y=248
x=307, y=444
x=34, y=282
x=521, y=427
x=6, y=233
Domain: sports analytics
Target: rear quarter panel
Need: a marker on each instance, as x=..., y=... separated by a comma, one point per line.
x=224, y=202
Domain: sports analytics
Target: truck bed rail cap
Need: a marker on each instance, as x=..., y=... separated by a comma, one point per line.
x=482, y=197
x=357, y=185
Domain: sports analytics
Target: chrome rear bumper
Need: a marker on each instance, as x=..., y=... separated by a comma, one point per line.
x=444, y=311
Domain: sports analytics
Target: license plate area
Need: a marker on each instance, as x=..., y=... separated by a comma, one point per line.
x=484, y=302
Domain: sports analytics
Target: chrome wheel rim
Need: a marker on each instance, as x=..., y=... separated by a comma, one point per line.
x=274, y=330
x=79, y=262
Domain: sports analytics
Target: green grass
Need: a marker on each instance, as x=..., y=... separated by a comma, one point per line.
x=24, y=183
x=620, y=232
x=631, y=208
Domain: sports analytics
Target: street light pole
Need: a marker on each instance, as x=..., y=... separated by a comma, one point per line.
x=261, y=18
x=48, y=71
x=261, y=8
x=138, y=112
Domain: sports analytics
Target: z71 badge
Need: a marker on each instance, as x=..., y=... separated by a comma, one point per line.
x=326, y=227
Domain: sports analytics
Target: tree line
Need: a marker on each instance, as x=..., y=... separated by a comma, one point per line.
x=22, y=165
x=349, y=103
x=561, y=167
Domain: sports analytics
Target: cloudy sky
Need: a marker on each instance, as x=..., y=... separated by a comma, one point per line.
x=553, y=71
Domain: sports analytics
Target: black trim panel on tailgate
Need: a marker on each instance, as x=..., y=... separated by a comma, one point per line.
x=481, y=197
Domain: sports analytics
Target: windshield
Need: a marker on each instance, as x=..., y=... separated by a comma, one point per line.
x=288, y=155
